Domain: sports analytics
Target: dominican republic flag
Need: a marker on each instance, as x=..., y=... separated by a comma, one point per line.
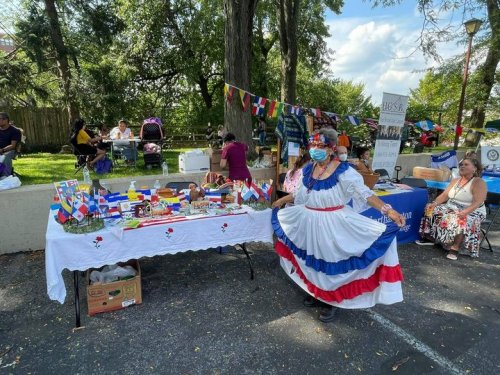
x=65, y=209
x=229, y=92
x=245, y=99
x=259, y=105
x=316, y=112
x=296, y=110
x=352, y=119
x=80, y=209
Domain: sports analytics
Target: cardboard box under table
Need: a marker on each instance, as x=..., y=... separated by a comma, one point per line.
x=114, y=295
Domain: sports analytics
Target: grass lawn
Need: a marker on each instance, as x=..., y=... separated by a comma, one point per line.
x=45, y=168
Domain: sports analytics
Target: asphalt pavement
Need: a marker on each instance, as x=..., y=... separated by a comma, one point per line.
x=201, y=314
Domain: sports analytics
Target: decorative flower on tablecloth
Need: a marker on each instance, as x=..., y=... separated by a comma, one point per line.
x=169, y=232
x=96, y=242
x=223, y=227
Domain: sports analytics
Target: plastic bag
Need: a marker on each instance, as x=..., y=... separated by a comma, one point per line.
x=111, y=273
x=10, y=182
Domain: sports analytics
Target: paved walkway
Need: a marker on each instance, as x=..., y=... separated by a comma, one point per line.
x=202, y=315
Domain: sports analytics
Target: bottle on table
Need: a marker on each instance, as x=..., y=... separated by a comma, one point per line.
x=86, y=175
x=164, y=167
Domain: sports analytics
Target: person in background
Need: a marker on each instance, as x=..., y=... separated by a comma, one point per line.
x=210, y=135
x=10, y=136
x=343, y=140
x=86, y=144
x=126, y=147
x=338, y=256
x=221, y=133
x=234, y=158
x=363, y=165
x=405, y=135
x=294, y=176
x=455, y=217
x=261, y=131
x=342, y=153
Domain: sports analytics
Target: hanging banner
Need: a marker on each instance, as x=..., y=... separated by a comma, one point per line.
x=490, y=156
x=391, y=121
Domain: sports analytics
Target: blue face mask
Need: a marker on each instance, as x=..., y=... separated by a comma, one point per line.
x=318, y=154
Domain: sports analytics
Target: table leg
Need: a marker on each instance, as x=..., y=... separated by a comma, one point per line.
x=244, y=248
x=77, y=298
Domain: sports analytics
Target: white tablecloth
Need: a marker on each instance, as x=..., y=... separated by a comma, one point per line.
x=109, y=246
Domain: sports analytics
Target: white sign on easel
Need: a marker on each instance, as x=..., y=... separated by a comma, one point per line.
x=490, y=156
x=391, y=121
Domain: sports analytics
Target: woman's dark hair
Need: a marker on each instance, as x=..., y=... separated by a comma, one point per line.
x=78, y=125
x=300, y=162
x=360, y=151
x=477, y=164
x=229, y=137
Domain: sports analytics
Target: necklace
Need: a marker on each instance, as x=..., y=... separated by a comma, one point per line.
x=459, y=187
x=312, y=180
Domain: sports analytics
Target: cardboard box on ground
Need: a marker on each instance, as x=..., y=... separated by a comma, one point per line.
x=115, y=295
x=215, y=156
x=441, y=174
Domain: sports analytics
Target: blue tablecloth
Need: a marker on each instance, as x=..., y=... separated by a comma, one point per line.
x=492, y=183
x=411, y=204
x=491, y=174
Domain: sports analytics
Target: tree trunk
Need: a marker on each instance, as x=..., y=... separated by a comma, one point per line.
x=238, y=34
x=61, y=51
x=288, y=21
x=205, y=92
x=487, y=70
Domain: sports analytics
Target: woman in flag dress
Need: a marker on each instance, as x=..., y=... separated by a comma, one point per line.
x=336, y=255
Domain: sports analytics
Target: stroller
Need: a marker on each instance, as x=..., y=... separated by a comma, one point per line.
x=152, y=139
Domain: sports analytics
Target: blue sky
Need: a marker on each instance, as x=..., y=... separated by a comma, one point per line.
x=374, y=46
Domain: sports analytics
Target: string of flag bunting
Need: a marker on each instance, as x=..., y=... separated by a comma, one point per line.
x=275, y=107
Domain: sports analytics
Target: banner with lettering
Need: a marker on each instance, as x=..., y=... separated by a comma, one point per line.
x=391, y=121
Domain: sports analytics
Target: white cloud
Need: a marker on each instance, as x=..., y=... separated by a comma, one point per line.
x=380, y=52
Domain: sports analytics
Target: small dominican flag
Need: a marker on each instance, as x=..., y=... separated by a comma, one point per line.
x=316, y=112
x=245, y=99
x=352, y=119
x=80, y=209
x=229, y=92
x=258, y=107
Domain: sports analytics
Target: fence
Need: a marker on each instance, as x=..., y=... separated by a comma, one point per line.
x=42, y=126
x=50, y=127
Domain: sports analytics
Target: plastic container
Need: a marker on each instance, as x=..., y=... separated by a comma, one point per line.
x=164, y=167
x=86, y=175
x=131, y=193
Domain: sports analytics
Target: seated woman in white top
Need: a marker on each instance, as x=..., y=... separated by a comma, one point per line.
x=454, y=218
x=127, y=148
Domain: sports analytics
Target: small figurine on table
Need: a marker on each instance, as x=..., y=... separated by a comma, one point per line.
x=195, y=193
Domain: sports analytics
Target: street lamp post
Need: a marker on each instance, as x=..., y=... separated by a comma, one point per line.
x=471, y=27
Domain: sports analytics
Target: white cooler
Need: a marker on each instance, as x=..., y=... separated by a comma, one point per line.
x=192, y=162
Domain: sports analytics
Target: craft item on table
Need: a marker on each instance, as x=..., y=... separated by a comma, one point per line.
x=166, y=193
x=195, y=193
x=144, y=195
x=66, y=188
x=200, y=204
x=140, y=211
